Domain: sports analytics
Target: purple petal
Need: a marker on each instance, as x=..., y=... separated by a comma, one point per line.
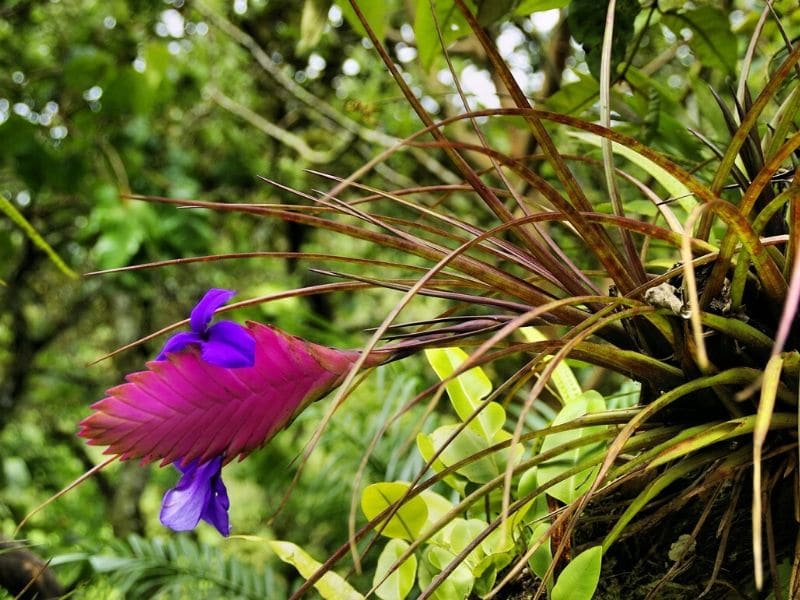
x=199, y=494
x=229, y=345
x=178, y=342
x=216, y=512
x=204, y=310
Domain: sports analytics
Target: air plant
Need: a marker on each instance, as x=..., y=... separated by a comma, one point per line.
x=712, y=339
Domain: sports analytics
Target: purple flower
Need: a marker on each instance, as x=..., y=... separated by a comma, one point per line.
x=200, y=494
x=224, y=344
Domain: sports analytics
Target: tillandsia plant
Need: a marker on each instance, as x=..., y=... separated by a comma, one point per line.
x=617, y=237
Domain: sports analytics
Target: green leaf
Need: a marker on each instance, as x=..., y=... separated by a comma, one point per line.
x=540, y=560
x=427, y=449
x=438, y=506
x=674, y=187
x=586, y=23
x=538, y=506
x=712, y=39
x=563, y=378
x=579, y=579
x=572, y=97
x=374, y=12
x=461, y=534
x=458, y=584
x=312, y=24
x=399, y=583
x=490, y=11
x=571, y=488
x=451, y=22
x=12, y=213
x=467, y=391
x=116, y=246
x=531, y=6
x=408, y=521
x=331, y=586
x=467, y=443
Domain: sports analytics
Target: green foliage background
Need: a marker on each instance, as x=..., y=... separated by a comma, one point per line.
x=99, y=100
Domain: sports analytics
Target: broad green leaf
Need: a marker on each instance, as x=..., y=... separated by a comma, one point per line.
x=427, y=449
x=586, y=19
x=569, y=489
x=375, y=13
x=331, y=586
x=498, y=542
x=626, y=396
x=487, y=569
x=563, y=378
x=116, y=246
x=467, y=391
x=129, y=91
x=158, y=60
x=438, y=506
x=312, y=24
x=20, y=221
x=662, y=114
x=467, y=443
x=87, y=66
x=540, y=560
x=408, y=521
x=712, y=40
x=574, y=96
x=399, y=583
x=458, y=584
x=579, y=579
x=538, y=506
x=490, y=11
x=461, y=534
x=527, y=7
x=450, y=21
x=498, y=549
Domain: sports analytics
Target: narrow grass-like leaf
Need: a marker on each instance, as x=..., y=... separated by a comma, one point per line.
x=721, y=432
x=750, y=119
x=763, y=424
x=608, y=156
x=655, y=487
x=675, y=188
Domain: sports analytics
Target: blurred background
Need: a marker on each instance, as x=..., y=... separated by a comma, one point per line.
x=100, y=99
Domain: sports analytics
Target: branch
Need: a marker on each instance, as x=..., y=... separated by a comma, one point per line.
x=286, y=138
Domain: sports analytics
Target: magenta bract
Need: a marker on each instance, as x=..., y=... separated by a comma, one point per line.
x=185, y=409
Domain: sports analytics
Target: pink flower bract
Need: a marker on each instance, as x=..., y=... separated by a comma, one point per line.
x=185, y=409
